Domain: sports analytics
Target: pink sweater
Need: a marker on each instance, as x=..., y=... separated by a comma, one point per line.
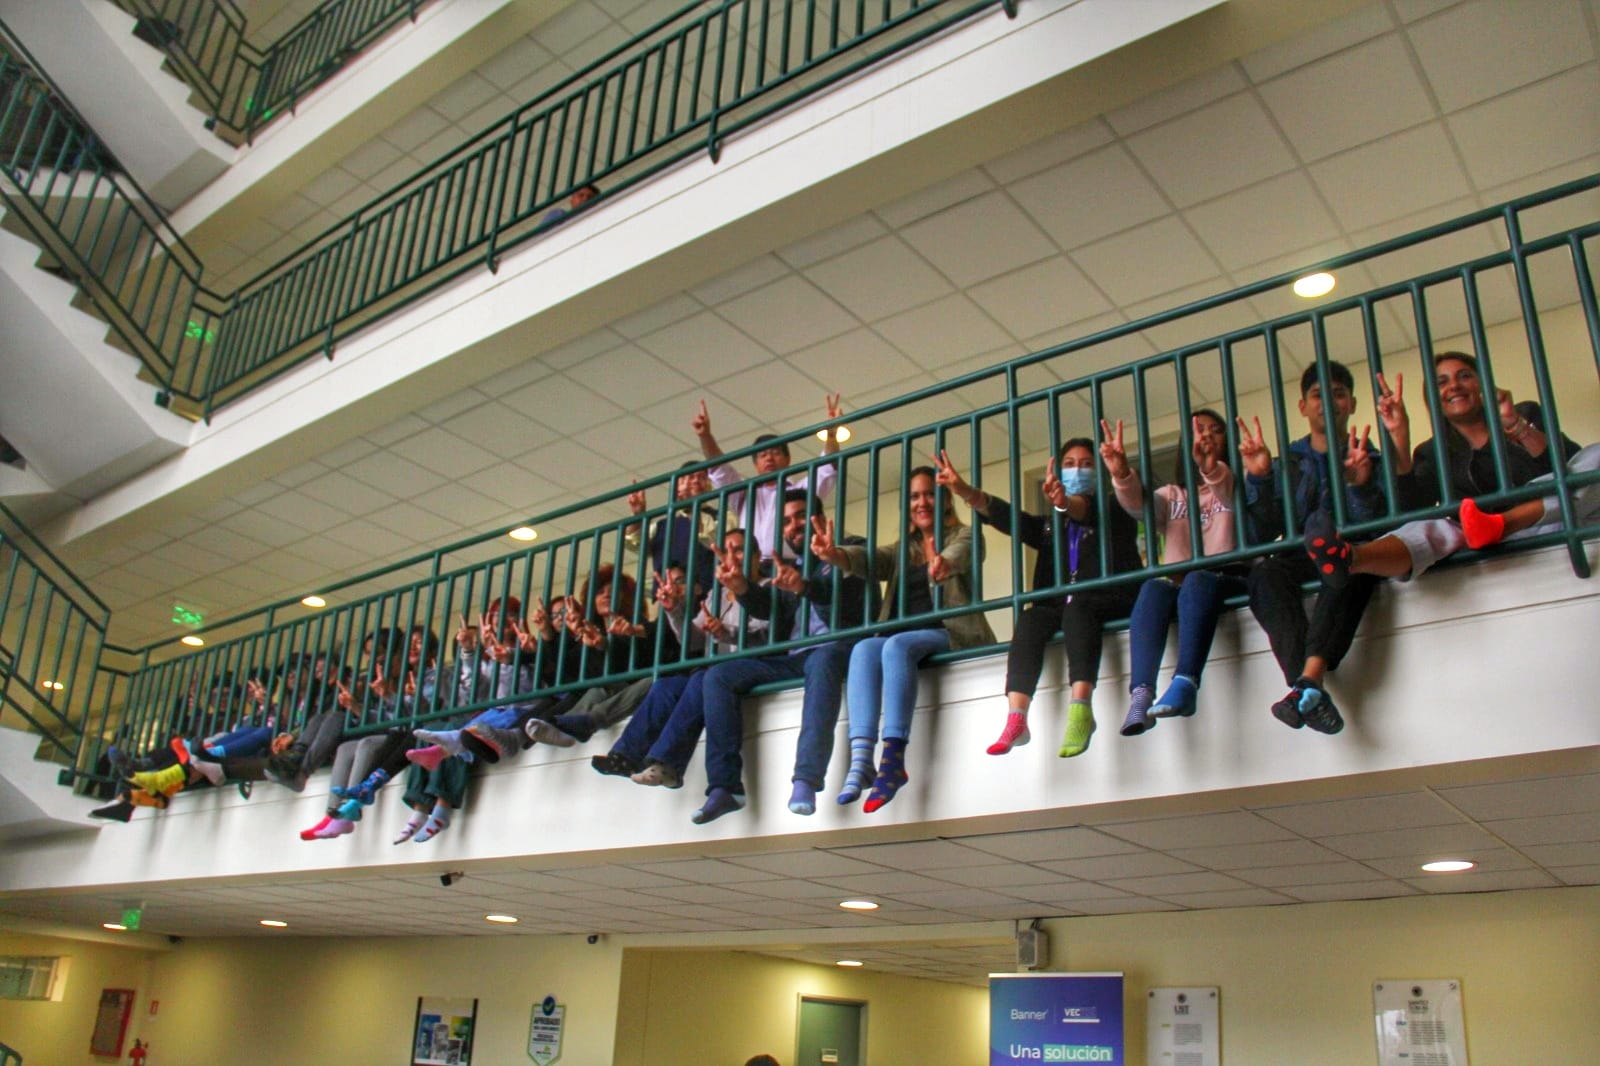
x=1172, y=512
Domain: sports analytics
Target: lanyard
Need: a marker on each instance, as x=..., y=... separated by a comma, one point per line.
x=1075, y=534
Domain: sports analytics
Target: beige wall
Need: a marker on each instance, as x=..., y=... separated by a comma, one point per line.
x=704, y=1008
x=1296, y=988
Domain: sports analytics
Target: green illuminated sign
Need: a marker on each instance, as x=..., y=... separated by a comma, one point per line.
x=196, y=332
x=187, y=616
x=131, y=917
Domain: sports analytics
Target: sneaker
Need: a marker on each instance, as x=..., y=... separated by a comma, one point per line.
x=541, y=732
x=613, y=765
x=658, y=774
x=121, y=811
x=1317, y=708
x=501, y=741
x=1287, y=710
x=1328, y=551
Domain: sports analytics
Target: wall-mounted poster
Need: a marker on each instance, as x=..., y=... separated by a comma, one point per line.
x=1181, y=1027
x=1055, y=1017
x=443, y=1032
x=1420, y=1022
x=111, y=1022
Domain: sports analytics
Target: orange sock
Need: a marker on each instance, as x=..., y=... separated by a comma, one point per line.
x=1481, y=528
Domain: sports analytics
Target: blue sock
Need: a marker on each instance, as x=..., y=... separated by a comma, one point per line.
x=216, y=751
x=1138, y=719
x=803, y=798
x=861, y=769
x=719, y=801
x=1179, y=699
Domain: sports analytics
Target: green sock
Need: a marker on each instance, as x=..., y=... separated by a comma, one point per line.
x=1080, y=727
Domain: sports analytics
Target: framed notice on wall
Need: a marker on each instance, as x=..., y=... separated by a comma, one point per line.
x=442, y=1034
x=1420, y=1022
x=1182, y=1027
x=111, y=1021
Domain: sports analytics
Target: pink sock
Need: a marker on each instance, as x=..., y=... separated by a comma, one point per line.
x=311, y=834
x=428, y=758
x=336, y=827
x=1481, y=529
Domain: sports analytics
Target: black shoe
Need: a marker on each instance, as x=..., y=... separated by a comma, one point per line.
x=614, y=765
x=121, y=811
x=1287, y=710
x=1317, y=708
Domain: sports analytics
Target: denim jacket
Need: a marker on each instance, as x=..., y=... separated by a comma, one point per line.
x=1310, y=491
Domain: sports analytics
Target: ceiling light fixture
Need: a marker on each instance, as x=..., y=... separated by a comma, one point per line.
x=841, y=433
x=1447, y=866
x=501, y=919
x=1313, y=285
x=524, y=533
x=273, y=923
x=848, y=962
x=858, y=905
x=114, y=927
x=193, y=641
x=313, y=601
x=56, y=686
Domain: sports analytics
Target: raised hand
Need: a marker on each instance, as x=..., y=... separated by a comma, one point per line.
x=1112, y=452
x=466, y=636
x=945, y=474
x=1254, y=455
x=701, y=421
x=1358, y=457
x=524, y=638
x=712, y=625
x=822, y=543
x=939, y=569
x=1509, y=415
x=591, y=635
x=410, y=689
x=1392, y=411
x=256, y=692
x=787, y=577
x=833, y=407
x=618, y=626
x=1053, y=489
x=1207, y=448
x=729, y=575
x=346, y=700
x=379, y=685
x=636, y=500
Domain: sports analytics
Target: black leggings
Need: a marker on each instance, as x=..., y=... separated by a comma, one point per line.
x=1081, y=618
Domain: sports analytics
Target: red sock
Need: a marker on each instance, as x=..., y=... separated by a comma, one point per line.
x=180, y=747
x=1481, y=529
x=311, y=834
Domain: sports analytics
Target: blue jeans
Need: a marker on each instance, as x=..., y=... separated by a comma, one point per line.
x=883, y=673
x=823, y=668
x=1196, y=604
x=649, y=724
x=249, y=740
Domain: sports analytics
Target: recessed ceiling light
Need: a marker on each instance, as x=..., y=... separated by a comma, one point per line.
x=858, y=905
x=114, y=927
x=1313, y=285
x=273, y=923
x=841, y=433
x=53, y=685
x=193, y=641
x=313, y=601
x=524, y=533
x=501, y=919
x=1447, y=866
x=848, y=962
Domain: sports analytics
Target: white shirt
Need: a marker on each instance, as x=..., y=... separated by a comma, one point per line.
x=768, y=509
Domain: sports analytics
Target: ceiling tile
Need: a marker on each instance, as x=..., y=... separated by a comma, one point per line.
x=1002, y=877
x=1578, y=875
x=1479, y=50
x=1201, y=830
x=635, y=445
x=706, y=871
x=1391, y=178
x=1039, y=297
x=1315, y=873
x=651, y=318
x=409, y=520
x=771, y=392
x=461, y=505
x=977, y=240
x=1350, y=99
x=570, y=354
x=942, y=332
x=924, y=202
x=1264, y=221
x=1530, y=130
x=1430, y=842
x=1134, y=864
x=1180, y=99
x=926, y=856
x=853, y=362
x=465, y=94
x=887, y=883
x=443, y=453
x=1120, y=265
x=1128, y=905
x=1321, y=41
x=1549, y=829
x=1052, y=150
x=705, y=347
x=1239, y=857
x=1412, y=10
x=1239, y=897
x=831, y=242
x=302, y=512
x=572, y=466
x=1221, y=147
x=878, y=279
x=1493, y=881
x=740, y=280
x=1042, y=845
x=562, y=404
x=808, y=864
x=1172, y=884
x=392, y=474
x=1373, y=889
x=348, y=494
x=1369, y=814
x=499, y=429
x=1524, y=799
x=1088, y=198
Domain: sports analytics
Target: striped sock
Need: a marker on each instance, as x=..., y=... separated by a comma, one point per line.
x=861, y=769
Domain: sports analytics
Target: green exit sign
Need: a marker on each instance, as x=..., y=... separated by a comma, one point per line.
x=187, y=616
x=131, y=917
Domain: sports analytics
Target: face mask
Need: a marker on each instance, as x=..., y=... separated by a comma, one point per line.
x=1077, y=481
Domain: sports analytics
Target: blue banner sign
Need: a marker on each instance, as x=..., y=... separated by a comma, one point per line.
x=1055, y=1017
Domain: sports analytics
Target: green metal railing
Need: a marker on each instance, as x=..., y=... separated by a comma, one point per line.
x=1219, y=352
x=97, y=225
x=10, y=1056
x=52, y=634
x=245, y=87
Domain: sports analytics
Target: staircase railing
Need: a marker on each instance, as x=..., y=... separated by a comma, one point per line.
x=95, y=222
x=245, y=87
x=1220, y=352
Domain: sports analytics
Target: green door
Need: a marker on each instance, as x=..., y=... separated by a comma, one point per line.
x=830, y=1033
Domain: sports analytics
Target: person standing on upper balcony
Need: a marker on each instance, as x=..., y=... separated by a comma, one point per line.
x=765, y=519
x=1069, y=552
x=1469, y=471
x=1308, y=650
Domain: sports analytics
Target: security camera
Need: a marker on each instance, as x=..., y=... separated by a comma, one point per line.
x=593, y=938
x=448, y=879
x=174, y=939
